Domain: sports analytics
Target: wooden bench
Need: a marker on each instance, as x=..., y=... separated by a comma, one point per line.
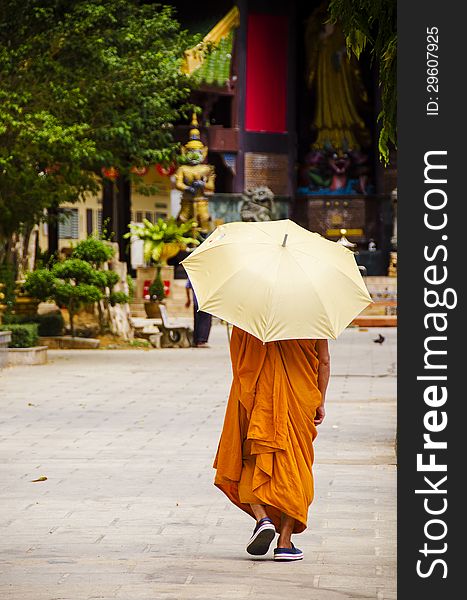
x=173, y=335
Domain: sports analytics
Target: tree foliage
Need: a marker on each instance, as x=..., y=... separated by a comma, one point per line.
x=83, y=84
x=93, y=250
x=70, y=283
x=80, y=279
x=372, y=24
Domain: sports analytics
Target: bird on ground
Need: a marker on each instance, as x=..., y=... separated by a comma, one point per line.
x=380, y=339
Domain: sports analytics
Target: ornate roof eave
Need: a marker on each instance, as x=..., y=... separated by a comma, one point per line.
x=195, y=57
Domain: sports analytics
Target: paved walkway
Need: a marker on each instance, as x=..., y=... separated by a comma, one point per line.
x=126, y=439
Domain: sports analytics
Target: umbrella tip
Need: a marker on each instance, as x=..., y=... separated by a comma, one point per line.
x=285, y=240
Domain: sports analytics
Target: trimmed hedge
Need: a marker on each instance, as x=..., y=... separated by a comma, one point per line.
x=49, y=324
x=22, y=336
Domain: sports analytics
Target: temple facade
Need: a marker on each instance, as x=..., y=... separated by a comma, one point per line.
x=282, y=106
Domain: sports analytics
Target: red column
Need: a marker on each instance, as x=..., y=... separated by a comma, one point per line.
x=266, y=73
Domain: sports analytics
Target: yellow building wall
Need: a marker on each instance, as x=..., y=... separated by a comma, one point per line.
x=152, y=206
x=157, y=204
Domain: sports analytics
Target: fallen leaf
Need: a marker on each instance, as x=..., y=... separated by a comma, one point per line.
x=43, y=478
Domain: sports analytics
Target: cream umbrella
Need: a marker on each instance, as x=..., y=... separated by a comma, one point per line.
x=277, y=280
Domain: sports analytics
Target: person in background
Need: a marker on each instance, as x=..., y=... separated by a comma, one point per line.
x=202, y=320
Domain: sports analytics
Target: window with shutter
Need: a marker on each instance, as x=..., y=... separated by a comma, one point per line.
x=68, y=225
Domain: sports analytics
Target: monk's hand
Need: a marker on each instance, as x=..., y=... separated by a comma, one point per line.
x=320, y=414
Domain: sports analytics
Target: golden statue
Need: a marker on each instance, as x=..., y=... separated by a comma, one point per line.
x=335, y=77
x=196, y=181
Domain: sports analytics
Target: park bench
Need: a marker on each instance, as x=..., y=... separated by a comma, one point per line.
x=174, y=335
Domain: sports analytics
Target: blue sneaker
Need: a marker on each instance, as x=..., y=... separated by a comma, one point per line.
x=287, y=554
x=263, y=534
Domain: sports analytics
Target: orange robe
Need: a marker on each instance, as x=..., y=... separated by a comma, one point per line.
x=265, y=453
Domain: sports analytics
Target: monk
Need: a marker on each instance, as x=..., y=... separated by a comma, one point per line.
x=265, y=453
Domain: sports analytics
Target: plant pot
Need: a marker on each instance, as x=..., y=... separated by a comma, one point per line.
x=148, y=274
x=152, y=310
x=143, y=274
x=169, y=250
x=26, y=306
x=36, y=355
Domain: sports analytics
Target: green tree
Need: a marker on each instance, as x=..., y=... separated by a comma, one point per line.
x=94, y=251
x=80, y=279
x=97, y=252
x=372, y=24
x=71, y=283
x=83, y=84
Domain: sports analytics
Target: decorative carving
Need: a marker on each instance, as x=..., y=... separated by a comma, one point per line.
x=335, y=78
x=330, y=171
x=196, y=181
x=258, y=204
x=338, y=161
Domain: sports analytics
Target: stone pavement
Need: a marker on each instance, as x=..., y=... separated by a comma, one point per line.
x=126, y=439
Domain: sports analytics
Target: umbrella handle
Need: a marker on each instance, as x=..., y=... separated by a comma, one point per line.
x=228, y=331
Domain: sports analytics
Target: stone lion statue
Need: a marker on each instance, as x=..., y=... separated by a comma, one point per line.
x=258, y=204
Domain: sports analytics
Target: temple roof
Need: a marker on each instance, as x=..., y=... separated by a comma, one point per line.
x=213, y=68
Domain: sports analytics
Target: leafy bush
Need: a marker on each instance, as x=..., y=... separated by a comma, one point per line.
x=49, y=324
x=40, y=284
x=74, y=295
x=76, y=282
x=69, y=283
x=22, y=336
x=106, y=279
x=118, y=298
x=93, y=250
x=131, y=286
x=74, y=269
x=163, y=239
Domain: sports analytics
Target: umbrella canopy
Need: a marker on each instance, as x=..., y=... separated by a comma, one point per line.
x=277, y=281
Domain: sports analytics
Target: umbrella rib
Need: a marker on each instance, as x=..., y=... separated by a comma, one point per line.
x=273, y=313
x=319, y=298
x=266, y=232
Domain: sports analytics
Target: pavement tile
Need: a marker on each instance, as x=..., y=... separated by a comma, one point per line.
x=128, y=512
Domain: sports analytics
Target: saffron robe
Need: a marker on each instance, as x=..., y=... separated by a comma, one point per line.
x=265, y=452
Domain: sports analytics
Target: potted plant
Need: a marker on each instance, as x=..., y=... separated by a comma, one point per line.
x=162, y=240
x=156, y=297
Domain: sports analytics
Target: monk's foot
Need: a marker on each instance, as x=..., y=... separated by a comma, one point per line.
x=288, y=554
x=263, y=534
